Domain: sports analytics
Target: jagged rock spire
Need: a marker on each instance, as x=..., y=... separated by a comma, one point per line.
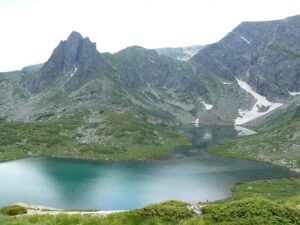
x=75, y=52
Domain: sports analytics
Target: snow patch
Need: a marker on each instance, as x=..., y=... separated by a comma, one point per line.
x=261, y=101
x=242, y=131
x=196, y=122
x=196, y=209
x=294, y=93
x=150, y=60
x=227, y=83
x=244, y=39
x=207, y=136
x=153, y=92
x=75, y=70
x=44, y=210
x=207, y=106
x=188, y=52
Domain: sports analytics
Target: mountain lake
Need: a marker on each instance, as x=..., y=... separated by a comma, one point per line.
x=193, y=175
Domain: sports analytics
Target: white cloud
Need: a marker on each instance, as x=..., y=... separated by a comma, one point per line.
x=30, y=29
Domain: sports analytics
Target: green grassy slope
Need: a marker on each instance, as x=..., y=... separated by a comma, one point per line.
x=167, y=213
x=99, y=135
x=274, y=201
x=250, y=211
x=283, y=191
x=277, y=142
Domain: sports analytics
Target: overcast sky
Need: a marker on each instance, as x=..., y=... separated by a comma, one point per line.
x=31, y=29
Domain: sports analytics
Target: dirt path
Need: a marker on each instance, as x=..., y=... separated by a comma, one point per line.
x=43, y=210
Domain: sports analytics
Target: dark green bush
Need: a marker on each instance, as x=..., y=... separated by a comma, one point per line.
x=13, y=210
x=170, y=211
x=251, y=211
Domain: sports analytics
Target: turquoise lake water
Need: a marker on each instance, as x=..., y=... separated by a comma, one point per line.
x=193, y=175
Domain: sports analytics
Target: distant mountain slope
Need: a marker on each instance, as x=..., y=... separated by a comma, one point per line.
x=32, y=68
x=266, y=55
x=180, y=53
x=263, y=58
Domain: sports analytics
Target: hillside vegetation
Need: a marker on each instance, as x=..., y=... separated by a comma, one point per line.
x=100, y=134
x=277, y=142
x=249, y=211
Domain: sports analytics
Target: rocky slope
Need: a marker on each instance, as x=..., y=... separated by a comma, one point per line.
x=251, y=72
x=264, y=55
x=135, y=79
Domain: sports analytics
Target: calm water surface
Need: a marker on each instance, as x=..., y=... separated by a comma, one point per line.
x=70, y=184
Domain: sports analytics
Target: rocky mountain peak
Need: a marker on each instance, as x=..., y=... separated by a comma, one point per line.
x=75, y=36
x=70, y=51
x=75, y=53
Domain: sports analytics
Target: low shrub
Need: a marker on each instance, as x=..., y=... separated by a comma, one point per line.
x=252, y=211
x=13, y=210
x=170, y=211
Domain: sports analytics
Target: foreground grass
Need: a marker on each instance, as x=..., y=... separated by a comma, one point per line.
x=171, y=212
x=117, y=219
x=248, y=211
x=274, y=201
x=251, y=211
x=100, y=135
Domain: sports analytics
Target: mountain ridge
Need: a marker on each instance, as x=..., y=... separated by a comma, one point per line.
x=252, y=51
x=144, y=81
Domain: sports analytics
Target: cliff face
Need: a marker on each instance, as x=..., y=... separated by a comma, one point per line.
x=75, y=56
x=135, y=79
x=266, y=55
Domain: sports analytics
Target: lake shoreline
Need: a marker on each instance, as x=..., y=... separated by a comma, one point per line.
x=296, y=171
x=156, y=159
x=193, y=159
x=33, y=209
